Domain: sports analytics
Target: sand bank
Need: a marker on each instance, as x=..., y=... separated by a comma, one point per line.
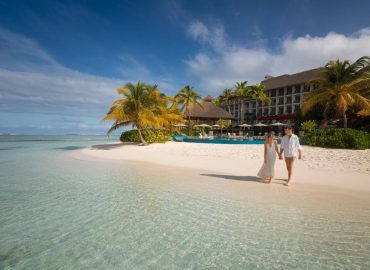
x=319, y=166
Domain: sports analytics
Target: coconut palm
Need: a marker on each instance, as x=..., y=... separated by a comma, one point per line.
x=342, y=86
x=187, y=98
x=225, y=97
x=243, y=91
x=217, y=101
x=143, y=106
x=223, y=123
x=257, y=91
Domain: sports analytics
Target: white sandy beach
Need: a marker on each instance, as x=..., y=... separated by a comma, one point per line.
x=319, y=166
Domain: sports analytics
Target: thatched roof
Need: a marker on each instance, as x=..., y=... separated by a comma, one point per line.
x=209, y=111
x=291, y=79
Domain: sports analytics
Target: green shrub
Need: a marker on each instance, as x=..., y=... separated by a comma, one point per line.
x=150, y=135
x=309, y=126
x=338, y=138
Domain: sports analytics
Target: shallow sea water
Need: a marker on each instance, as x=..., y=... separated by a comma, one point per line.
x=57, y=212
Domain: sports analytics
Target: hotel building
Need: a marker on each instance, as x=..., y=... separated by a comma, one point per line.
x=286, y=93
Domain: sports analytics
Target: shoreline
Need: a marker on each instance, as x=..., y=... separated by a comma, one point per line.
x=347, y=169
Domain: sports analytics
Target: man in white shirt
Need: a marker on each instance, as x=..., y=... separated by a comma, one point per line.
x=291, y=148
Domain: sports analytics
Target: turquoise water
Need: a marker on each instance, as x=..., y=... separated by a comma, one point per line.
x=223, y=141
x=57, y=212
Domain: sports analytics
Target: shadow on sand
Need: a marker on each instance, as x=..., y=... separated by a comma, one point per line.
x=234, y=177
x=68, y=148
x=111, y=146
x=243, y=178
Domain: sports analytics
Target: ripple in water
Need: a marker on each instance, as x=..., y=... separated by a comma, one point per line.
x=59, y=213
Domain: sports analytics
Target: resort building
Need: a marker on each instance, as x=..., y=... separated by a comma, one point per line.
x=209, y=114
x=286, y=93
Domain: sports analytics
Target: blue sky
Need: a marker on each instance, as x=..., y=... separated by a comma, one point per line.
x=61, y=61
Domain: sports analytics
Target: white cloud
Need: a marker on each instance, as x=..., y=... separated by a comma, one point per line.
x=224, y=65
x=215, y=36
x=198, y=31
x=133, y=70
x=32, y=81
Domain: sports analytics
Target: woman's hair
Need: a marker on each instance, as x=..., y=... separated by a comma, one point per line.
x=269, y=135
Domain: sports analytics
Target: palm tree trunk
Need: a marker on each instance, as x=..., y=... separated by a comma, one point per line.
x=345, y=124
x=242, y=111
x=189, y=126
x=141, y=136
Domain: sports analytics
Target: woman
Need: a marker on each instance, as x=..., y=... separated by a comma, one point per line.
x=271, y=150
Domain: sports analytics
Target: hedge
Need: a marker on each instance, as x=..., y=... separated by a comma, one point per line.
x=150, y=135
x=338, y=138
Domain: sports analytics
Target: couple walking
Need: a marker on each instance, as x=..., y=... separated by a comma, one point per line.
x=289, y=146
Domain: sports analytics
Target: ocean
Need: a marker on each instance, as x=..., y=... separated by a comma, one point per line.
x=59, y=212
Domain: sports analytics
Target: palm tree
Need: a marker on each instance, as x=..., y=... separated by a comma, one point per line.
x=223, y=123
x=143, y=106
x=342, y=86
x=188, y=98
x=243, y=91
x=257, y=91
x=217, y=101
x=226, y=97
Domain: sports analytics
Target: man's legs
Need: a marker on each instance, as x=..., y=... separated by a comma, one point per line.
x=289, y=161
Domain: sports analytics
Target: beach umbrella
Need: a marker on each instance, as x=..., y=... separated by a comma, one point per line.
x=203, y=126
x=277, y=124
x=216, y=126
x=244, y=125
x=260, y=125
x=180, y=125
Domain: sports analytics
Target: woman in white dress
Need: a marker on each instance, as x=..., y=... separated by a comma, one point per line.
x=271, y=150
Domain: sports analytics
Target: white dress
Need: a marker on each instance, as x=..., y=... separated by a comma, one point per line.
x=268, y=169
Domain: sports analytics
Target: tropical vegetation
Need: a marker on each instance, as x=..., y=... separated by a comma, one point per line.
x=346, y=138
x=143, y=106
x=309, y=126
x=187, y=98
x=223, y=123
x=150, y=136
x=342, y=88
x=243, y=90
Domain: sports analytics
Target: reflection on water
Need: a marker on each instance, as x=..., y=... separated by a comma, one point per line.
x=61, y=213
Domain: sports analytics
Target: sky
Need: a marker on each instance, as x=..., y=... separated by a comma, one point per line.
x=62, y=61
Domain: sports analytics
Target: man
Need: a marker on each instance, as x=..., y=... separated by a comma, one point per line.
x=291, y=148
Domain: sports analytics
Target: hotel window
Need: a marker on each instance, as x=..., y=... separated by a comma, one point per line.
x=281, y=101
x=296, y=108
x=289, y=90
x=281, y=92
x=272, y=111
x=289, y=100
x=273, y=101
x=289, y=109
x=297, y=89
x=266, y=111
x=273, y=93
x=297, y=99
x=281, y=110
